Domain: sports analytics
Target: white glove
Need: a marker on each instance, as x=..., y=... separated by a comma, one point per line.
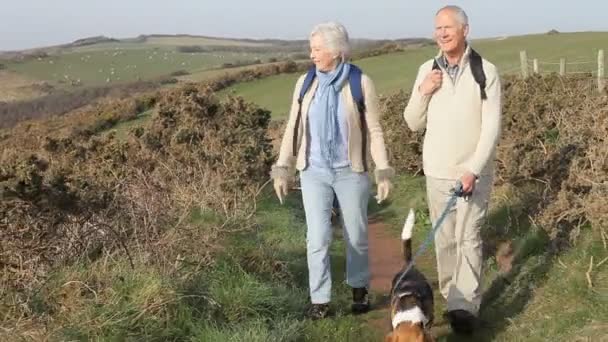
x=384, y=188
x=281, y=188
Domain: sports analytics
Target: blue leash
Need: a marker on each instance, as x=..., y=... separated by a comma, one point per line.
x=456, y=192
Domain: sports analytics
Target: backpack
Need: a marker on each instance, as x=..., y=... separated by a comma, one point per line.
x=476, y=65
x=354, y=80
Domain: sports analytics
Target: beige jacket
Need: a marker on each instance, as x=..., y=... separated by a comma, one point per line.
x=462, y=131
x=375, y=141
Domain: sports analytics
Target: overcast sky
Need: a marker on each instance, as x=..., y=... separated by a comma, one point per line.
x=35, y=23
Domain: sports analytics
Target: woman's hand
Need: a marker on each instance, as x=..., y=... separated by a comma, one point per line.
x=384, y=187
x=281, y=188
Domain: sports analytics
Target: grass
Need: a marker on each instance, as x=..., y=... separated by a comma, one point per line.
x=256, y=290
x=202, y=41
x=397, y=71
x=131, y=60
x=122, y=65
x=123, y=128
x=545, y=296
x=271, y=92
x=15, y=87
x=162, y=42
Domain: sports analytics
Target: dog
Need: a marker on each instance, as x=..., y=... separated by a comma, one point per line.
x=412, y=310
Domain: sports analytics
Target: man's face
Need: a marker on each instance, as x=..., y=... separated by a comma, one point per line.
x=450, y=34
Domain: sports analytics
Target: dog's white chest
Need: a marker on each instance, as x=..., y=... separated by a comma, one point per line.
x=414, y=315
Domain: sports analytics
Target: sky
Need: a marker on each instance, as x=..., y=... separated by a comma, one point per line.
x=36, y=23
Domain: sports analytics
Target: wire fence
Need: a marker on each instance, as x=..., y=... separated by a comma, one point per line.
x=580, y=67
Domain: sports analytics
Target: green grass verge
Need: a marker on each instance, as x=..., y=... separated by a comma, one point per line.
x=545, y=297
x=256, y=290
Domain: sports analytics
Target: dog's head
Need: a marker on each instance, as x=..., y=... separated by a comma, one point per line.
x=408, y=319
x=408, y=332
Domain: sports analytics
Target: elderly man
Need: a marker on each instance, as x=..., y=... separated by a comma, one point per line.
x=457, y=99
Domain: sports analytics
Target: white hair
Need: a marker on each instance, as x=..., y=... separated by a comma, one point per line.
x=335, y=36
x=458, y=12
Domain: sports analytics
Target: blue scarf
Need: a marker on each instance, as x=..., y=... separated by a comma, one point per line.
x=327, y=99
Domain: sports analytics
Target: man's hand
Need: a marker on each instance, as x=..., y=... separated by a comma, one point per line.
x=281, y=188
x=384, y=188
x=468, y=183
x=431, y=82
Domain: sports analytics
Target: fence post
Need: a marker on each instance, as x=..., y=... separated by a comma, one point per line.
x=535, y=61
x=523, y=58
x=601, y=81
x=562, y=66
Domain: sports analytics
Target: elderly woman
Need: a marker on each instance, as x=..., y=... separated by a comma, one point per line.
x=326, y=139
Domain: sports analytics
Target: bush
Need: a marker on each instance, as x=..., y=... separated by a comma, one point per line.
x=251, y=74
x=179, y=73
x=61, y=102
x=168, y=80
x=404, y=147
x=77, y=197
x=191, y=49
x=299, y=56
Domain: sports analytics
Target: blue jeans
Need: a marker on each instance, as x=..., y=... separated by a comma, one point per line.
x=352, y=190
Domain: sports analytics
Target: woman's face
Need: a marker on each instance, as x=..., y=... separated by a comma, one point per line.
x=324, y=59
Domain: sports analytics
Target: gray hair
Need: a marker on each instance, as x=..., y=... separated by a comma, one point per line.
x=459, y=13
x=335, y=36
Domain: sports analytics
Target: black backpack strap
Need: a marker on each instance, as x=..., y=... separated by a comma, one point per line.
x=476, y=64
x=356, y=89
x=435, y=65
x=310, y=76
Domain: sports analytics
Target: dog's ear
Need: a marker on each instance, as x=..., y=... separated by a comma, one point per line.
x=389, y=338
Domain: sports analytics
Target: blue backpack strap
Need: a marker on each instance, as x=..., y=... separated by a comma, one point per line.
x=310, y=76
x=354, y=79
x=356, y=89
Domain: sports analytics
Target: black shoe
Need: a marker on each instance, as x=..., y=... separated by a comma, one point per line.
x=360, y=301
x=318, y=311
x=462, y=321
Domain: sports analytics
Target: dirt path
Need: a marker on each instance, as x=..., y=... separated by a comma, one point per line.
x=386, y=259
x=385, y=256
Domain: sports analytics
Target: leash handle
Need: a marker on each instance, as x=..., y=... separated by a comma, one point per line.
x=457, y=190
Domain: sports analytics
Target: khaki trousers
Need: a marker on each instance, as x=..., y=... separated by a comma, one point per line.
x=458, y=243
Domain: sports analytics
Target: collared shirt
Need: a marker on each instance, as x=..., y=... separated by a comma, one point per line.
x=452, y=70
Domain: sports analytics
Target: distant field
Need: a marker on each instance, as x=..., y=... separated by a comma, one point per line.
x=397, y=71
x=133, y=59
x=166, y=43
x=118, y=65
x=103, y=61
x=201, y=41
